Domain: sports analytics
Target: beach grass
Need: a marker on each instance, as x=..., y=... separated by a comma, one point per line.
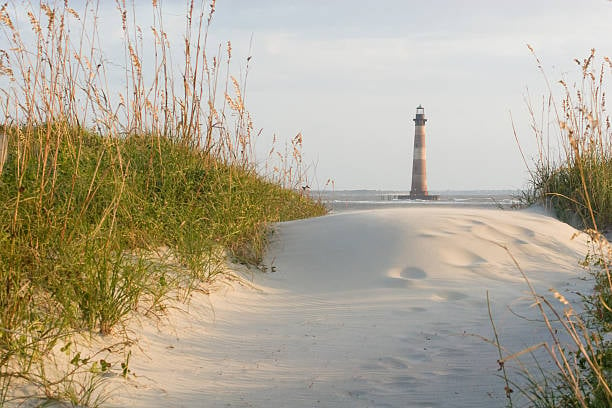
x=572, y=172
x=112, y=204
x=574, y=179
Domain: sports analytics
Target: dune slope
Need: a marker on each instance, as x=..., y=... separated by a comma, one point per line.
x=379, y=308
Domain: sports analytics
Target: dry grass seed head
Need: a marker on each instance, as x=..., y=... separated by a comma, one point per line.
x=559, y=297
x=73, y=12
x=135, y=59
x=50, y=15
x=34, y=22
x=5, y=19
x=5, y=65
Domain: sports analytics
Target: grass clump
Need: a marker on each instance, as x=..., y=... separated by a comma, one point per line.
x=84, y=235
x=111, y=204
x=578, y=187
x=563, y=191
x=577, y=184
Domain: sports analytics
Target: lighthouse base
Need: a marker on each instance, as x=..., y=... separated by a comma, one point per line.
x=425, y=197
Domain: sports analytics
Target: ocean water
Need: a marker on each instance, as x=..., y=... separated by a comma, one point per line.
x=348, y=200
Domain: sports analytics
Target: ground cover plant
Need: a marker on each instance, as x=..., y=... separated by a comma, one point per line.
x=110, y=203
x=574, y=181
x=571, y=174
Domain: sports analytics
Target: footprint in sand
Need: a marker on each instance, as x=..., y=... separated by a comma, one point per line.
x=403, y=278
x=448, y=295
x=385, y=363
x=462, y=258
x=411, y=272
x=392, y=362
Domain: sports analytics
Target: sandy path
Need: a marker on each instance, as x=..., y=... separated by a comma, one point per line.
x=377, y=308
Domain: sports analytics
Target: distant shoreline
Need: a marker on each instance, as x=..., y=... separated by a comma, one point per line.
x=370, y=199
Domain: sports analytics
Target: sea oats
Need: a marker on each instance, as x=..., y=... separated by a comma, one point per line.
x=5, y=19
x=559, y=297
x=50, y=15
x=135, y=59
x=73, y=13
x=34, y=22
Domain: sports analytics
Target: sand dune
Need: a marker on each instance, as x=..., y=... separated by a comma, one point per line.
x=378, y=308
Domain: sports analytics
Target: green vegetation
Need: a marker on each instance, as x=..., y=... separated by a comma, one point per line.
x=578, y=187
x=577, y=184
x=565, y=192
x=111, y=207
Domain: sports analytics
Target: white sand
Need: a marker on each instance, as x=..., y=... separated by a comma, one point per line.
x=378, y=308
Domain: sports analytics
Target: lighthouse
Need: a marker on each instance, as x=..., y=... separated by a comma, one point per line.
x=418, y=191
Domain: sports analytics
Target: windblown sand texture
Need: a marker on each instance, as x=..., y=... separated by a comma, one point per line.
x=379, y=308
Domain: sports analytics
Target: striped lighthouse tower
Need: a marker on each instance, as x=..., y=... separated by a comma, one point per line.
x=419, y=164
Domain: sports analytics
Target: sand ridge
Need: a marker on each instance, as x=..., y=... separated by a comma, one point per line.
x=369, y=308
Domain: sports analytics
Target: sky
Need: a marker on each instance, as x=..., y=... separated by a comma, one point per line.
x=349, y=74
